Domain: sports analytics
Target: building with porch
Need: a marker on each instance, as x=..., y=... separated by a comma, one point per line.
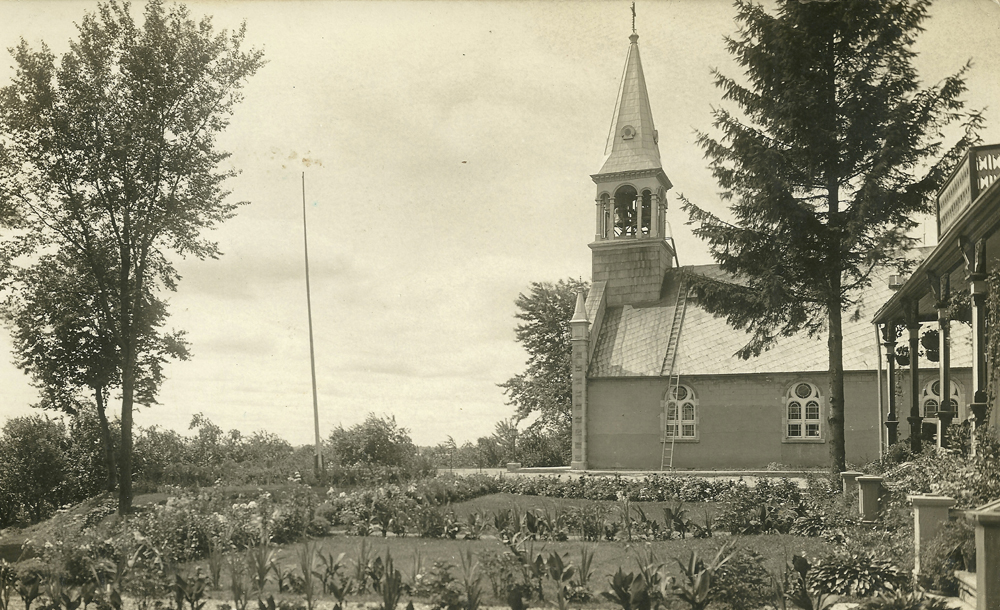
x=656, y=384
x=968, y=216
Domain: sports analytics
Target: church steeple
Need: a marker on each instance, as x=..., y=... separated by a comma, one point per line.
x=632, y=142
x=631, y=253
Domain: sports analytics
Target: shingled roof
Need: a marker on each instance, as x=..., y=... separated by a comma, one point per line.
x=633, y=340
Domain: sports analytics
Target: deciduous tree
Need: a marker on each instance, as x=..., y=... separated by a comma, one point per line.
x=835, y=148
x=545, y=385
x=110, y=157
x=61, y=341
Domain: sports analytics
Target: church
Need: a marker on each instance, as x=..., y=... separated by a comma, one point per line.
x=656, y=385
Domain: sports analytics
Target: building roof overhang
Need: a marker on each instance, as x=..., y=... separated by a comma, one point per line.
x=979, y=221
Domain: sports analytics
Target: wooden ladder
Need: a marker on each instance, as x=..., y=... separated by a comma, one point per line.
x=670, y=366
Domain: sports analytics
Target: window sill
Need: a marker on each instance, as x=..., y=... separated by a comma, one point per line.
x=807, y=441
x=681, y=440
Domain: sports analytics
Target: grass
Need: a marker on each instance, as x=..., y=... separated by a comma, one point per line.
x=608, y=556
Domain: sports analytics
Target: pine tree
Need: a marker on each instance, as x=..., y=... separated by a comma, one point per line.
x=835, y=149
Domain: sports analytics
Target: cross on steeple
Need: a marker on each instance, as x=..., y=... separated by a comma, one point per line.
x=633, y=17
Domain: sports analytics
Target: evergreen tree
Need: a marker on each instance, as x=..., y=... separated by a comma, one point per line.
x=835, y=149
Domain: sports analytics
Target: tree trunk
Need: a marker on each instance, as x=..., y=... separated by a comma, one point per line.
x=128, y=390
x=838, y=453
x=109, y=450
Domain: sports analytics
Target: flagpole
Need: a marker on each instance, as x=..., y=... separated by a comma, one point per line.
x=318, y=458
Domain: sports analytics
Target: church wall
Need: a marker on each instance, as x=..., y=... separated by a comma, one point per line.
x=740, y=421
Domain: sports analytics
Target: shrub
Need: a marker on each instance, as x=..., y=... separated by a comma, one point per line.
x=857, y=574
x=743, y=582
x=439, y=585
x=954, y=548
x=906, y=601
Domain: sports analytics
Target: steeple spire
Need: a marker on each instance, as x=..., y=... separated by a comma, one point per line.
x=632, y=142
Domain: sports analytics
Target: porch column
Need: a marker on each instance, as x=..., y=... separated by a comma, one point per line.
x=940, y=284
x=889, y=334
x=910, y=311
x=975, y=266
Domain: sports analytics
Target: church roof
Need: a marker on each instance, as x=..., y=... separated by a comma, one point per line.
x=634, y=340
x=637, y=150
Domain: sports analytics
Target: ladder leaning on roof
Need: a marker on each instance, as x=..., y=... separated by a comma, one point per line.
x=671, y=416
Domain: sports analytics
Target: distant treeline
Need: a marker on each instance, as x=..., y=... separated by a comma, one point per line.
x=52, y=462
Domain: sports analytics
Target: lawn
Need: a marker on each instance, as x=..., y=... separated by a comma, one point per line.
x=410, y=554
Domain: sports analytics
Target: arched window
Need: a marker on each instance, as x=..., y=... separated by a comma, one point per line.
x=930, y=398
x=624, y=213
x=803, y=412
x=680, y=413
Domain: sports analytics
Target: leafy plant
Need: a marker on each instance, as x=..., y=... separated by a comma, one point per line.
x=190, y=590
x=857, y=574
x=794, y=583
x=954, y=548
x=697, y=578
x=239, y=583
x=743, y=583
x=475, y=525
x=8, y=582
x=440, y=586
x=452, y=524
x=28, y=589
x=307, y=566
x=391, y=585
x=905, y=601
x=586, y=559
x=260, y=561
x=362, y=567
x=330, y=571
x=503, y=569
x=472, y=581
x=215, y=561
x=628, y=591
x=676, y=518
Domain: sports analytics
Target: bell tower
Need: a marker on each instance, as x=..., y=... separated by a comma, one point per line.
x=630, y=251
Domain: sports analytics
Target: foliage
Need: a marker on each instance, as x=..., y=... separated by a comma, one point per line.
x=696, y=586
x=544, y=386
x=906, y=601
x=439, y=585
x=857, y=574
x=743, y=583
x=390, y=587
x=971, y=480
x=954, y=548
x=767, y=507
x=819, y=168
x=115, y=208
x=37, y=476
x=376, y=441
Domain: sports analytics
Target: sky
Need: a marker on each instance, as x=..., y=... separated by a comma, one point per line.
x=447, y=150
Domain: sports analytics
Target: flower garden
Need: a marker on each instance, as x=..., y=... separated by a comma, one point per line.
x=460, y=543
